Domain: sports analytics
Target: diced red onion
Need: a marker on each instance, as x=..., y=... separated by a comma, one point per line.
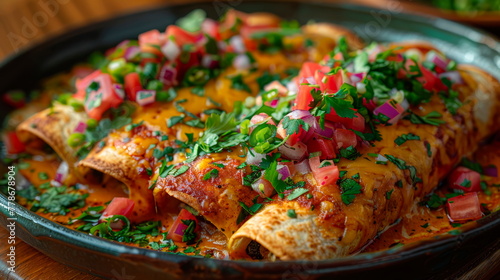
x=263, y=187
x=361, y=87
x=273, y=103
x=405, y=104
x=145, y=97
x=181, y=227
x=453, y=76
x=387, y=110
x=132, y=52
x=307, y=118
x=171, y=50
x=295, y=152
x=490, y=170
x=242, y=62
x=350, y=67
x=254, y=158
x=284, y=171
x=80, y=127
x=437, y=59
x=327, y=132
x=303, y=167
x=62, y=172
x=292, y=87
x=209, y=61
x=168, y=75
x=309, y=80
x=119, y=90
x=237, y=43
x=201, y=39
x=381, y=158
x=261, y=118
x=357, y=77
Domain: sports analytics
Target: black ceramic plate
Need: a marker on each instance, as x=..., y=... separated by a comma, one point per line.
x=442, y=257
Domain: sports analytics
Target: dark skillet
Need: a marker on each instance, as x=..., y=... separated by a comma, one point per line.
x=446, y=256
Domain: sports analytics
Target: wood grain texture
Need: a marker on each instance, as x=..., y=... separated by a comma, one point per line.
x=31, y=264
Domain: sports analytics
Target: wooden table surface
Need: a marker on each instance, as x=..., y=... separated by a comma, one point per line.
x=25, y=22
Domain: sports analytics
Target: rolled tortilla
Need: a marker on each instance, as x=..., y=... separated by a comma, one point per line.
x=327, y=228
x=54, y=126
x=216, y=198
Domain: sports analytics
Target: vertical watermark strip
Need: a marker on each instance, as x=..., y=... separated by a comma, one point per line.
x=11, y=220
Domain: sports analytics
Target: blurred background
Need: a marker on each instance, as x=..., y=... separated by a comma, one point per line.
x=26, y=22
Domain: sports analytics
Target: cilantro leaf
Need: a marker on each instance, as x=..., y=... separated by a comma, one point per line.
x=406, y=137
x=350, y=188
x=296, y=193
x=292, y=126
x=433, y=118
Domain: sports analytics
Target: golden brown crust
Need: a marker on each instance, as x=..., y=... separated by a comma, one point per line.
x=54, y=126
x=110, y=161
x=373, y=210
x=216, y=199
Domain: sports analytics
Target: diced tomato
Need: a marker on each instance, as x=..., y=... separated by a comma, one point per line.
x=119, y=206
x=329, y=83
x=181, y=36
x=325, y=175
x=345, y=138
x=465, y=179
x=132, y=85
x=82, y=84
x=464, y=207
x=357, y=123
x=176, y=231
x=99, y=101
x=309, y=69
x=151, y=41
x=431, y=81
x=211, y=28
x=194, y=59
x=303, y=98
x=12, y=143
x=327, y=147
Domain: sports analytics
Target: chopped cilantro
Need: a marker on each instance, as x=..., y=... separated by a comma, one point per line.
x=433, y=118
x=291, y=213
x=349, y=153
x=296, y=193
x=388, y=194
x=292, y=126
x=238, y=83
x=466, y=183
x=471, y=165
x=213, y=173
x=428, y=147
x=43, y=176
x=349, y=188
x=406, y=137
